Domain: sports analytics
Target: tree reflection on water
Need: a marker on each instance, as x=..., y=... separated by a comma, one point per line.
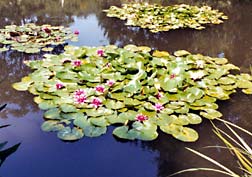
x=233, y=39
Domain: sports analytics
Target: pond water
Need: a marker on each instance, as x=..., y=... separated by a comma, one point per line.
x=42, y=154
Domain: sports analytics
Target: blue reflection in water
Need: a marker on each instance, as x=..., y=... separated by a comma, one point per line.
x=91, y=34
x=44, y=155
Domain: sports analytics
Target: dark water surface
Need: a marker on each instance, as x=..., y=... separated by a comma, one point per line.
x=44, y=155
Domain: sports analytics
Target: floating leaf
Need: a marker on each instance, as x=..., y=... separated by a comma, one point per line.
x=180, y=53
x=53, y=113
x=30, y=38
x=52, y=125
x=32, y=50
x=3, y=49
x=68, y=108
x=160, y=54
x=69, y=134
x=164, y=18
x=129, y=87
x=186, y=135
x=211, y=114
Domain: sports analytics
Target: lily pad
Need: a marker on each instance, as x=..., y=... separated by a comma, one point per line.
x=30, y=38
x=52, y=125
x=164, y=18
x=69, y=134
x=86, y=89
x=211, y=114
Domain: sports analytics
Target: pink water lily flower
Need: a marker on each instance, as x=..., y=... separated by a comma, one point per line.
x=100, y=52
x=59, y=86
x=100, y=88
x=79, y=92
x=141, y=117
x=158, y=107
x=57, y=38
x=110, y=83
x=96, y=102
x=76, y=32
x=159, y=95
x=76, y=63
x=46, y=29
x=172, y=76
x=80, y=96
x=80, y=99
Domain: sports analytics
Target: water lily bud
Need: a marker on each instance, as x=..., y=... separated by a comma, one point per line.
x=76, y=32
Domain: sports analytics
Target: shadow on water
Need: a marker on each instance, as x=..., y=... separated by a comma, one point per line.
x=106, y=156
x=7, y=152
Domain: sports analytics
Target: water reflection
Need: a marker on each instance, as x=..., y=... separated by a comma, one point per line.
x=233, y=38
x=6, y=152
x=104, y=156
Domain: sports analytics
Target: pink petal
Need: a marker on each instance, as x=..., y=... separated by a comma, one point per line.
x=158, y=107
x=76, y=32
x=100, y=52
x=76, y=63
x=96, y=102
x=59, y=86
x=110, y=83
x=141, y=117
x=100, y=88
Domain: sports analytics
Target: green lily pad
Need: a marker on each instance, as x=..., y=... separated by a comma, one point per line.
x=47, y=104
x=211, y=114
x=111, y=104
x=52, y=125
x=140, y=131
x=69, y=134
x=186, y=135
x=32, y=50
x=131, y=88
x=164, y=18
x=160, y=54
x=53, y=113
x=247, y=91
x=3, y=49
x=30, y=38
x=68, y=108
x=180, y=53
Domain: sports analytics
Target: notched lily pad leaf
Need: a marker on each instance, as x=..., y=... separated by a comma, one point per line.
x=24, y=84
x=52, y=125
x=186, y=134
x=211, y=114
x=68, y=134
x=53, y=113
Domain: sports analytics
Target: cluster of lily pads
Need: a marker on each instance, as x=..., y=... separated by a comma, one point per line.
x=86, y=89
x=164, y=18
x=30, y=38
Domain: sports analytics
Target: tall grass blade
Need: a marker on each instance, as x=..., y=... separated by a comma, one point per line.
x=202, y=169
x=214, y=162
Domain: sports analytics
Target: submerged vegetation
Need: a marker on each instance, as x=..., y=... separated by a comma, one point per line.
x=164, y=18
x=31, y=38
x=86, y=89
